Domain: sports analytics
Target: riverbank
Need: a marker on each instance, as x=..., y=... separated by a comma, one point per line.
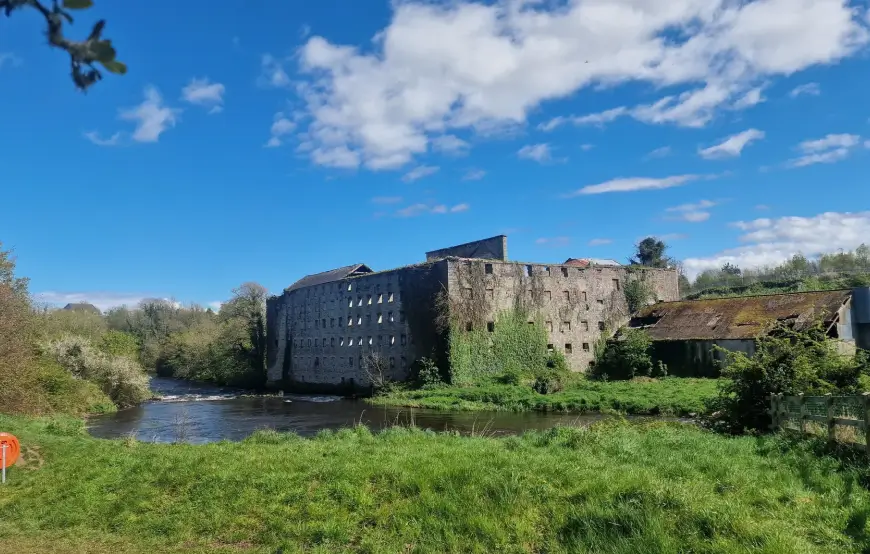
x=613, y=488
x=669, y=396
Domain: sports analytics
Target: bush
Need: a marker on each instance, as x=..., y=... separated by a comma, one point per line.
x=625, y=357
x=786, y=362
x=425, y=373
x=121, y=379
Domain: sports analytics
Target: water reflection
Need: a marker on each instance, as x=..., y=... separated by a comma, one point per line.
x=198, y=414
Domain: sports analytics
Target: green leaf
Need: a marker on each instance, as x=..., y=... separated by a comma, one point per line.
x=114, y=66
x=77, y=4
x=104, y=51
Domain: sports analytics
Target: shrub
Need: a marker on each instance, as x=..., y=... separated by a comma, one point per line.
x=425, y=373
x=625, y=357
x=785, y=362
x=120, y=378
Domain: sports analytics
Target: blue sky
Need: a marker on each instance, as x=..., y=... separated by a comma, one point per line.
x=273, y=139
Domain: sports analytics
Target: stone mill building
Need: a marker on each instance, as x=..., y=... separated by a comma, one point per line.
x=325, y=326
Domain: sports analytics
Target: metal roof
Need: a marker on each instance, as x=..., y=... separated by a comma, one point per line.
x=737, y=318
x=329, y=276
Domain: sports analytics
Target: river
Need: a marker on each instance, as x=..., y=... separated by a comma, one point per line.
x=199, y=413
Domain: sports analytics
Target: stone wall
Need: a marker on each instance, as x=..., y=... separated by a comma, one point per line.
x=324, y=333
x=575, y=304
x=494, y=248
x=319, y=335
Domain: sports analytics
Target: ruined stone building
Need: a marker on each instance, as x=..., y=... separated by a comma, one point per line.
x=324, y=326
x=691, y=336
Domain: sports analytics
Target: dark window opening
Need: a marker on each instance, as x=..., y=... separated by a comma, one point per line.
x=487, y=268
x=490, y=326
x=568, y=348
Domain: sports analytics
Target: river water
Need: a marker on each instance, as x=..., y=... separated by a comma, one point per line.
x=199, y=413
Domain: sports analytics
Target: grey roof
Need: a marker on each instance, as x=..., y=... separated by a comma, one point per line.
x=82, y=307
x=329, y=276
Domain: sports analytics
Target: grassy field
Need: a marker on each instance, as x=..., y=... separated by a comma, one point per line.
x=673, y=396
x=614, y=488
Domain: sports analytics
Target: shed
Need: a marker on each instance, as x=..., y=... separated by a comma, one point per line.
x=685, y=333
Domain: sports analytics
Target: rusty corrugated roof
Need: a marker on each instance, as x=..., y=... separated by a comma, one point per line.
x=737, y=318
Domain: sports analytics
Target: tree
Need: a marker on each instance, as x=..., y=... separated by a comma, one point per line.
x=82, y=54
x=248, y=305
x=651, y=253
x=731, y=269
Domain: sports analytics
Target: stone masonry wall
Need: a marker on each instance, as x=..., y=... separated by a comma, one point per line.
x=576, y=304
x=324, y=331
x=319, y=335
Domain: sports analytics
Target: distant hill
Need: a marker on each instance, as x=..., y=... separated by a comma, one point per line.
x=82, y=307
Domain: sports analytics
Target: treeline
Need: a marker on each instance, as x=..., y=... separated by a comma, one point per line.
x=826, y=272
x=80, y=361
x=227, y=347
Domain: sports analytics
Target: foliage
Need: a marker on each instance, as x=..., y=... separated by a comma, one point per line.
x=625, y=357
x=120, y=378
x=650, y=252
x=612, y=489
x=83, y=54
x=425, y=373
x=56, y=323
x=798, y=273
x=119, y=343
x=514, y=346
x=673, y=395
x=637, y=294
x=786, y=362
x=29, y=383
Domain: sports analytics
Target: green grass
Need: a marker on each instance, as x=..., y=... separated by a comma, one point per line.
x=614, y=488
x=674, y=396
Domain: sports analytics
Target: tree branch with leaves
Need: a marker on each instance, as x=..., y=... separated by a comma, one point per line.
x=83, y=54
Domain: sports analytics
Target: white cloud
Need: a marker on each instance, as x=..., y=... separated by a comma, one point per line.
x=464, y=64
x=386, y=199
x=538, y=152
x=762, y=207
x=586, y=147
x=215, y=305
x=474, y=175
x=732, y=146
x=752, y=98
x=415, y=210
x=281, y=126
x=628, y=184
x=272, y=73
x=662, y=152
x=450, y=144
x=829, y=149
x=769, y=242
x=419, y=172
x=554, y=242
x=152, y=117
x=94, y=137
x=600, y=242
x=204, y=93
x=811, y=89
x=693, y=213
x=101, y=299
x=9, y=59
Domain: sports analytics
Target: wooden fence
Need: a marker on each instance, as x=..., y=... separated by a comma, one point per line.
x=844, y=418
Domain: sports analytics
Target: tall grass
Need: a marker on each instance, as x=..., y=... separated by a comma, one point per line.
x=608, y=489
x=674, y=396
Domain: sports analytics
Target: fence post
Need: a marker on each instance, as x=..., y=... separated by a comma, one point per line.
x=866, y=398
x=829, y=405
x=803, y=415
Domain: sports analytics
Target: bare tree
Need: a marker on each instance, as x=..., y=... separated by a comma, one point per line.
x=376, y=369
x=83, y=54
